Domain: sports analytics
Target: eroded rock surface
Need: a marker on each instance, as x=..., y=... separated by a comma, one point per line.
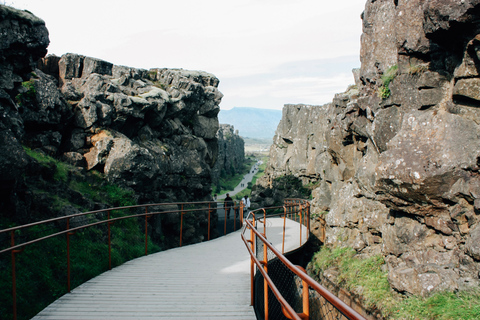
x=150, y=131
x=231, y=152
x=398, y=170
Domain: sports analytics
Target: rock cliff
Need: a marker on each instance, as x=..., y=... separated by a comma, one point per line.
x=396, y=158
x=149, y=131
x=231, y=152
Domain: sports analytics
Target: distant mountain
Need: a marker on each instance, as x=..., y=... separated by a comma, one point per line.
x=252, y=122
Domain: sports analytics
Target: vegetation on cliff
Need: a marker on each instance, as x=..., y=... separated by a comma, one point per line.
x=367, y=277
x=41, y=268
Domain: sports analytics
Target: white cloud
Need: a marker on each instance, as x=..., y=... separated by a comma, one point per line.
x=277, y=92
x=232, y=39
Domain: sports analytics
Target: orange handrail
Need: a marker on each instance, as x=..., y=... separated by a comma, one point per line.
x=16, y=248
x=262, y=266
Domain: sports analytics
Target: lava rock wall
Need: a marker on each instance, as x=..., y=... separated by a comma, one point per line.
x=396, y=158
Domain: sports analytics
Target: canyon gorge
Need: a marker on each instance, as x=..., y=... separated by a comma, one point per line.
x=393, y=162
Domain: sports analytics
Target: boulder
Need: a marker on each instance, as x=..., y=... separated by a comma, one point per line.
x=473, y=243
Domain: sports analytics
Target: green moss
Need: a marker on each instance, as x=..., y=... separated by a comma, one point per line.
x=94, y=187
x=384, y=90
x=418, y=69
x=62, y=169
x=29, y=94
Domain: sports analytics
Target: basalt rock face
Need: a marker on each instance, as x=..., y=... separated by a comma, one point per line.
x=396, y=158
x=231, y=152
x=20, y=48
x=149, y=131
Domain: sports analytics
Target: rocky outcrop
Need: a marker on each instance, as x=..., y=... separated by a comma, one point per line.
x=20, y=48
x=396, y=158
x=152, y=132
x=149, y=130
x=231, y=152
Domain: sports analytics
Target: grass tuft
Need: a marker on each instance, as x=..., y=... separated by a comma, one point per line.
x=366, y=278
x=384, y=90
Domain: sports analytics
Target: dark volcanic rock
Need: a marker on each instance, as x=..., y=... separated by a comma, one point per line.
x=231, y=152
x=398, y=170
x=150, y=131
x=25, y=42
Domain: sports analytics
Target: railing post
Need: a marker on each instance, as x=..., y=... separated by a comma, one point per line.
x=234, y=216
x=305, y=298
x=264, y=223
x=181, y=225
x=14, y=278
x=300, y=222
x=308, y=220
x=252, y=265
x=284, y=227
x=265, y=283
x=209, y=214
x=225, y=224
x=109, y=242
x=68, y=257
x=241, y=212
x=290, y=208
x=146, y=230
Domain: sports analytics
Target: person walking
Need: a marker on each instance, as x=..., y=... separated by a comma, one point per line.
x=228, y=204
x=246, y=205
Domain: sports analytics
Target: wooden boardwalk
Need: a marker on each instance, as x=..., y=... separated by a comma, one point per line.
x=209, y=280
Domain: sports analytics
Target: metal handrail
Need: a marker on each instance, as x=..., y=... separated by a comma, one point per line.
x=250, y=224
x=17, y=248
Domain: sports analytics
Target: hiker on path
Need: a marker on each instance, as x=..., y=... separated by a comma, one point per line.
x=246, y=205
x=228, y=204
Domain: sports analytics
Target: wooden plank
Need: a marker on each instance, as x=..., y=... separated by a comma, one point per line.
x=202, y=281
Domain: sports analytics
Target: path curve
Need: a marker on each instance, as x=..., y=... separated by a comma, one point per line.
x=208, y=280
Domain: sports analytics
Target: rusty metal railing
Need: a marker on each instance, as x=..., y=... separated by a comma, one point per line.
x=106, y=218
x=284, y=292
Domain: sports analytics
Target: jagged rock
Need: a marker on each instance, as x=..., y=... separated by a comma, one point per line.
x=74, y=158
x=231, y=152
x=24, y=43
x=205, y=127
x=473, y=243
x=13, y=158
x=150, y=131
x=467, y=88
x=102, y=144
x=399, y=172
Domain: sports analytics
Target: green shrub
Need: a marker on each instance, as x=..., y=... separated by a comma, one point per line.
x=384, y=90
x=29, y=94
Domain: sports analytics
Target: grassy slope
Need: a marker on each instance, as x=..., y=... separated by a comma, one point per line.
x=368, y=279
x=41, y=268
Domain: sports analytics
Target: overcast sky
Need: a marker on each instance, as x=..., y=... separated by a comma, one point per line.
x=266, y=53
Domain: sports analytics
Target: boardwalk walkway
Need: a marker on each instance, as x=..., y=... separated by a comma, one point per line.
x=209, y=280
